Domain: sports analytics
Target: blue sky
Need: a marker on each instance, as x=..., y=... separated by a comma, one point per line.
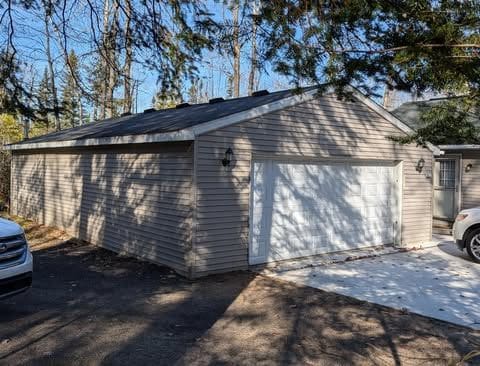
x=213, y=69
x=30, y=44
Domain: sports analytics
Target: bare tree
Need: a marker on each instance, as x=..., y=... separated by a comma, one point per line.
x=253, y=51
x=389, y=94
x=47, y=16
x=127, y=68
x=236, y=48
x=112, y=54
x=166, y=37
x=104, y=60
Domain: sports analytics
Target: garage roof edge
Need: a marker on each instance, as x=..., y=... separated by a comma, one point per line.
x=190, y=133
x=460, y=147
x=391, y=118
x=182, y=135
x=254, y=112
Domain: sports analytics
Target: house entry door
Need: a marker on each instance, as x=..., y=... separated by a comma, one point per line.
x=446, y=188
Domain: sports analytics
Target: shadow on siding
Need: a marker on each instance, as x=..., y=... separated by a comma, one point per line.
x=311, y=131
x=130, y=199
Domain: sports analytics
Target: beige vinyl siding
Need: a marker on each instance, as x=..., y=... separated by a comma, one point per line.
x=471, y=180
x=322, y=128
x=135, y=199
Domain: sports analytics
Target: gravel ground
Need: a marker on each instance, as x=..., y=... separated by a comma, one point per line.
x=89, y=306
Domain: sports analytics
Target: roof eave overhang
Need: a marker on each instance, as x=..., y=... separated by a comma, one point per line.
x=191, y=133
x=391, y=118
x=459, y=147
x=186, y=134
x=182, y=135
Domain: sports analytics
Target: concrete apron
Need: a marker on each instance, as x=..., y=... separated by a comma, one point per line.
x=344, y=256
x=438, y=280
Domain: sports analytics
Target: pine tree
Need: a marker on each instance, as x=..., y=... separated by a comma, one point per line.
x=451, y=122
x=70, y=95
x=47, y=18
x=426, y=45
x=419, y=46
x=44, y=97
x=194, y=93
x=164, y=99
x=13, y=93
x=95, y=77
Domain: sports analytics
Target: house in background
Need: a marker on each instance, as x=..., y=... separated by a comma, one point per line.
x=220, y=186
x=456, y=173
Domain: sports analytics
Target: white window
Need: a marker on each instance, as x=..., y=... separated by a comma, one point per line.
x=447, y=174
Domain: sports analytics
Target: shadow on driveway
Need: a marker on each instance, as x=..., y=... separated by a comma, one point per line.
x=90, y=306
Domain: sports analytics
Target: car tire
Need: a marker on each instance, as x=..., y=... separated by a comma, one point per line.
x=473, y=245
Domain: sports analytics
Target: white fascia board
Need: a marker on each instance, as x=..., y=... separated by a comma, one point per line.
x=296, y=99
x=459, y=147
x=391, y=118
x=190, y=133
x=254, y=112
x=182, y=135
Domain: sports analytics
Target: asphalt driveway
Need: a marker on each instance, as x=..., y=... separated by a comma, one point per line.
x=440, y=282
x=91, y=307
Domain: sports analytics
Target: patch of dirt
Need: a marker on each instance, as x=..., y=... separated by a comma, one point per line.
x=39, y=236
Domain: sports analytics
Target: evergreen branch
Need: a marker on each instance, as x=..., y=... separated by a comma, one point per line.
x=402, y=48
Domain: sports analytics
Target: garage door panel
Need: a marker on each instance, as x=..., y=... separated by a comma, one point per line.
x=307, y=209
x=376, y=211
x=299, y=247
x=354, y=190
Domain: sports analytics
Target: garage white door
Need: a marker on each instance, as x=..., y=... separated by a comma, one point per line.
x=303, y=209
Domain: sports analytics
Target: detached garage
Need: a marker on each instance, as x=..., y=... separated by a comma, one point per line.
x=219, y=186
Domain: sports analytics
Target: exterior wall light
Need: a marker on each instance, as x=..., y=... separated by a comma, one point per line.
x=468, y=167
x=228, y=157
x=420, y=165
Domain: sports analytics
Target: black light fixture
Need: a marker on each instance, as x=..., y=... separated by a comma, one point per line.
x=228, y=157
x=420, y=165
x=468, y=167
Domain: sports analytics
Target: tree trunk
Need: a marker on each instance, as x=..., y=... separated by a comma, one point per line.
x=253, y=58
x=388, y=97
x=236, y=49
x=22, y=121
x=135, y=88
x=80, y=109
x=56, y=112
x=103, y=57
x=127, y=68
x=112, y=52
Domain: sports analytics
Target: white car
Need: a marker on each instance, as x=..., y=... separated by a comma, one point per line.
x=466, y=232
x=16, y=262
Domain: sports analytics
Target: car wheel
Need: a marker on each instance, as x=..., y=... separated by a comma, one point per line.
x=473, y=245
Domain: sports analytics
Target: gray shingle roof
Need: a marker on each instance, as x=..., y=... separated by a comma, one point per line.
x=410, y=112
x=166, y=120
